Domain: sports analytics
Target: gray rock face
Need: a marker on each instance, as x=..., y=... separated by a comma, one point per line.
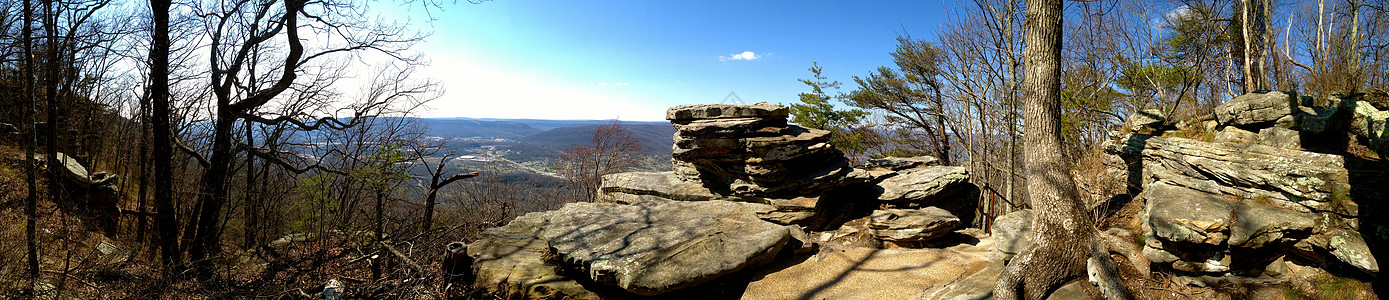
x=1187, y=216
x=1194, y=231
x=1299, y=180
x=647, y=250
x=1012, y=233
x=1350, y=247
x=762, y=110
x=1370, y=124
x=647, y=188
x=894, y=163
x=1148, y=118
x=1256, y=108
x=751, y=151
x=912, y=225
x=1281, y=138
x=1232, y=134
x=922, y=184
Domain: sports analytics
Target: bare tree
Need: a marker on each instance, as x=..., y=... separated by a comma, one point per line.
x=245, y=79
x=612, y=150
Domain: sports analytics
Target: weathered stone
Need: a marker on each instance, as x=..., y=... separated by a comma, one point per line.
x=75, y=171
x=666, y=185
x=1318, y=120
x=1012, y=233
x=1148, y=118
x=661, y=248
x=510, y=261
x=1232, y=134
x=1349, y=247
x=1300, y=180
x=686, y=113
x=922, y=184
x=1255, y=108
x=1281, y=138
x=1188, y=216
x=1155, y=255
x=798, y=142
x=1258, y=225
x=800, y=242
x=901, y=163
x=735, y=127
x=1370, y=124
x=912, y=225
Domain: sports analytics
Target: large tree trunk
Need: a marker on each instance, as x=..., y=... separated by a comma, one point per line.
x=31, y=205
x=1063, y=237
x=206, y=241
x=163, y=148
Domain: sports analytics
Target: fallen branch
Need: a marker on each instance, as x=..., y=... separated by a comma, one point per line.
x=406, y=259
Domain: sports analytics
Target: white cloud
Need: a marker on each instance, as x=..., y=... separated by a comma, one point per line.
x=746, y=55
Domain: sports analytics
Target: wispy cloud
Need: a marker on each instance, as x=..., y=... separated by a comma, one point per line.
x=613, y=83
x=746, y=55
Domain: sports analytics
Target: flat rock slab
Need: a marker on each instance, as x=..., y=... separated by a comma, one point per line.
x=911, y=225
x=916, y=185
x=1188, y=216
x=510, y=262
x=901, y=163
x=668, y=185
x=650, y=250
x=687, y=113
x=865, y=273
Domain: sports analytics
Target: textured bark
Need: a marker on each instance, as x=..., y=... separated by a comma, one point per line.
x=163, y=148
x=31, y=205
x=1063, y=238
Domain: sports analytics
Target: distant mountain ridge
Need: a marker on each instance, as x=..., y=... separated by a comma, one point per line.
x=550, y=135
x=655, y=138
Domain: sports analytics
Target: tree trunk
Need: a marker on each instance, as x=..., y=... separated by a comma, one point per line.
x=31, y=205
x=252, y=200
x=1063, y=237
x=163, y=136
x=214, y=193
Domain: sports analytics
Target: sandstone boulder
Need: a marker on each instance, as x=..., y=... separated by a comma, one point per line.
x=912, y=225
x=1232, y=134
x=1012, y=233
x=1299, y=180
x=1148, y=118
x=1188, y=216
x=1279, y=137
x=921, y=185
x=1349, y=247
x=1254, y=108
x=894, y=163
x=1370, y=124
x=646, y=250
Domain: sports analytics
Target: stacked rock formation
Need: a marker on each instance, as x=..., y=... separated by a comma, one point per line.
x=1252, y=195
x=751, y=151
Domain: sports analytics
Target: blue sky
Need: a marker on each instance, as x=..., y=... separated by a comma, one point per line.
x=631, y=60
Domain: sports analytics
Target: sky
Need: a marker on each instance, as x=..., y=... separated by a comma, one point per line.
x=630, y=60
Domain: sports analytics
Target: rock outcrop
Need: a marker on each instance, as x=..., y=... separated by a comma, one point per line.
x=644, y=250
x=745, y=188
x=750, y=154
x=911, y=225
x=1254, y=195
